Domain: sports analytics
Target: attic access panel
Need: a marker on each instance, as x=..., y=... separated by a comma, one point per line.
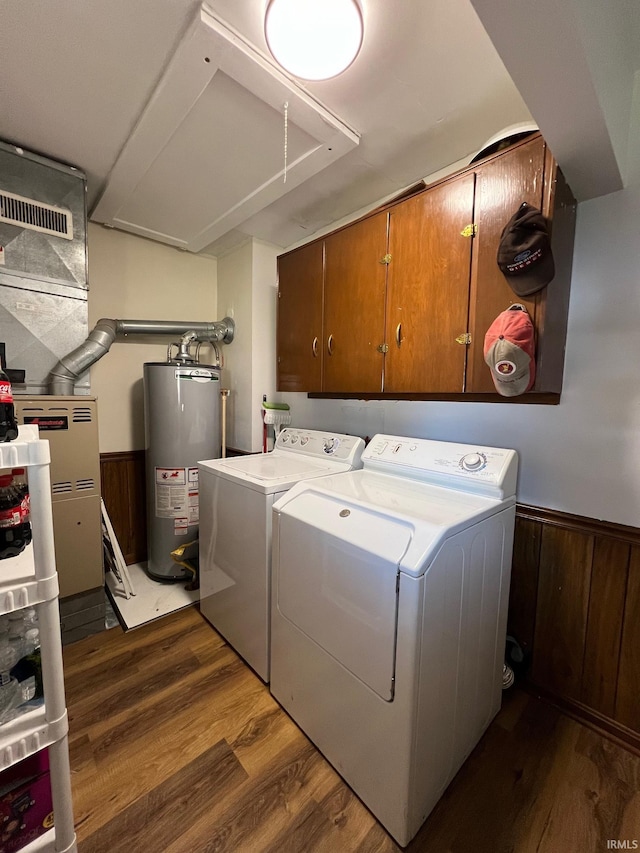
x=208, y=150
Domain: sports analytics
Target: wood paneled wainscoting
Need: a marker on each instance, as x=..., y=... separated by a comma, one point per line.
x=124, y=490
x=574, y=604
x=125, y=496
x=575, y=608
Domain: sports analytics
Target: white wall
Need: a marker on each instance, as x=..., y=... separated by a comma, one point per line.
x=234, y=300
x=265, y=295
x=135, y=279
x=247, y=292
x=582, y=456
x=605, y=32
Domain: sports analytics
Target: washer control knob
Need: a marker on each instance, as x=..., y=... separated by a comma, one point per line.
x=473, y=461
x=304, y=440
x=331, y=445
x=294, y=438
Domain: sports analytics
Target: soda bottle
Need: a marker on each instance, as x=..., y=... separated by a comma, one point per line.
x=19, y=483
x=22, y=487
x=15, y=529
x=8, y=423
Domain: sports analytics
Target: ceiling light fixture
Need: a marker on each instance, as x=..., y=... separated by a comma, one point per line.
x=314, y=39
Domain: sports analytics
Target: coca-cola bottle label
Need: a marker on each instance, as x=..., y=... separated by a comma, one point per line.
x=11, y=517
x=5, y=392
x=25, y=508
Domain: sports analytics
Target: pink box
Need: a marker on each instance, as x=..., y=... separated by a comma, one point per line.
x=26, y=809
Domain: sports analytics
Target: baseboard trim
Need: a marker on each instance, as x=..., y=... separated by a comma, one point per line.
x=605, y=726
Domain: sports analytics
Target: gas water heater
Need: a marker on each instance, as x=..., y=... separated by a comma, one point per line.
x=182, y=425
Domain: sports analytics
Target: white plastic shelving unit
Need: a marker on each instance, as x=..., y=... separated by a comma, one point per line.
x=29, y=580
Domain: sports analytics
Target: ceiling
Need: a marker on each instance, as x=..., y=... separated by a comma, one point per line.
x=428, y=89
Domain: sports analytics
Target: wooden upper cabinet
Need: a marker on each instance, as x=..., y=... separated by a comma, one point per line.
x=401, y=300
x=354, y=302
x=428, y=289
x=299, y=335
x=502, y=185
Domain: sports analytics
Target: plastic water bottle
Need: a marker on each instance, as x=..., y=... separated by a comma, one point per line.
x=10, y=690
x=24, y=642
x=30, y=617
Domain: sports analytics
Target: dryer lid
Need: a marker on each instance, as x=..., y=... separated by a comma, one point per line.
x=431, y=513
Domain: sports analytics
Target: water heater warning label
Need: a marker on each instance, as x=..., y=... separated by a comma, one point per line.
x=193, y=496
x=172, y=476
x=177, y=496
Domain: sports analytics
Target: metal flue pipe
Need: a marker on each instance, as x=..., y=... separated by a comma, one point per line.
x=221, y=331
x=62, y=378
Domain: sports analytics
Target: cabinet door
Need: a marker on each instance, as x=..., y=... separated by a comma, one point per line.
x=354, y=289
x=502, y=185
x=299, y=336
x=428, y=289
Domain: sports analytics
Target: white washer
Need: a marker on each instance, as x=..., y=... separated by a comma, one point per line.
x=389, y=608
x=236, y=496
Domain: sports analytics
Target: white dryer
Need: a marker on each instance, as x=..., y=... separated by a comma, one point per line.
x=389, y=609
x=236, y=497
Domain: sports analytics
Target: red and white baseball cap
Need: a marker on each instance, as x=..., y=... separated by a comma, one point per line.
x=509, y=350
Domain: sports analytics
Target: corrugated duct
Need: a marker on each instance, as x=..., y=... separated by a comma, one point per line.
x=63, y=376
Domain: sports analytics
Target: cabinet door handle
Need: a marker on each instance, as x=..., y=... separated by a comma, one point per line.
x=330, y=344
x=314, y=347
x=399, y=334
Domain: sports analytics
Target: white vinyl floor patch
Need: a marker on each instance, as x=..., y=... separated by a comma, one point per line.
x=152, y=599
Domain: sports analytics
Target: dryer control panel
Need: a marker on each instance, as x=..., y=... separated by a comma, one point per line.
x=321, y=445
x=479, y=469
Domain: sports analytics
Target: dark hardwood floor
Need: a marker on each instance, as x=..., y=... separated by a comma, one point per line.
x=177, y=747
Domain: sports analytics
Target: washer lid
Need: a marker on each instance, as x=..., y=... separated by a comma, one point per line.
x=269, y=472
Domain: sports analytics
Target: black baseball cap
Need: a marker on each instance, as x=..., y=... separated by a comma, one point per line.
x=524, y=251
